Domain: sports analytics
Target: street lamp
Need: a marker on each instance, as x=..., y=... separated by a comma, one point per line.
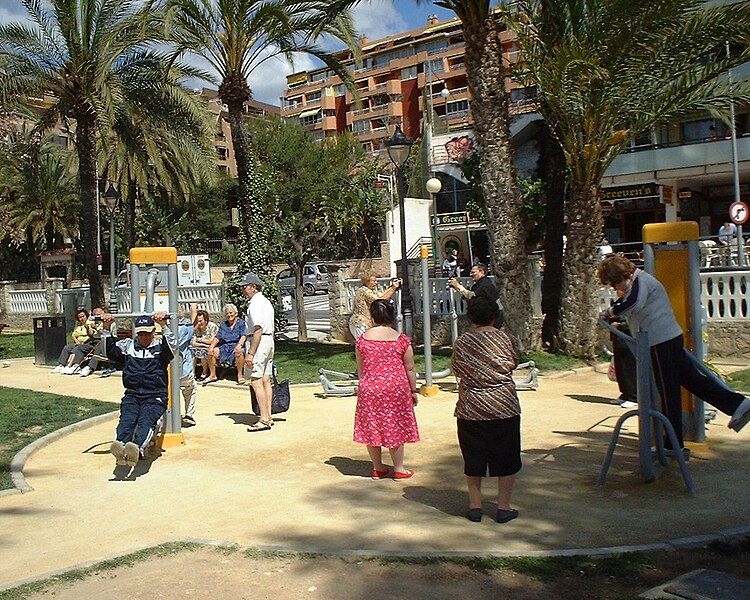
x=109, y=199
x=399, y=147
x=434, y=185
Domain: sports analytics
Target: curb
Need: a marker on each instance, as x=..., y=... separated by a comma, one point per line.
x=597, y=368
x=19, y=460
x=698, y=541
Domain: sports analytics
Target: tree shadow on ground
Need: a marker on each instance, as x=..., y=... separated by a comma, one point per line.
x=245, y=419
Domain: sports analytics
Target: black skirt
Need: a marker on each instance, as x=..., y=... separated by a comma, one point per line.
x=491, y=445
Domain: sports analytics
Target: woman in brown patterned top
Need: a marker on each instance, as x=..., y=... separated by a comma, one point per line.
x=488, y=411
x=360, y=321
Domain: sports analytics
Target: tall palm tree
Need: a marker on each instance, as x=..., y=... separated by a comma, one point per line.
x=234, y=37
x=608, y=70
x=40, y=193
x=486, y=73
x=88, y=57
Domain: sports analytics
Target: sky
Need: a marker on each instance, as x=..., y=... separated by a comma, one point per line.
x=373, y=18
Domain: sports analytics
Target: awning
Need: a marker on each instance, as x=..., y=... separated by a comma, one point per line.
x=309, y=113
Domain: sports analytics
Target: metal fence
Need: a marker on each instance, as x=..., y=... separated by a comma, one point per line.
x=28, y=301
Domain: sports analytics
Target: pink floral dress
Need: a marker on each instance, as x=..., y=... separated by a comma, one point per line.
x=385, y=412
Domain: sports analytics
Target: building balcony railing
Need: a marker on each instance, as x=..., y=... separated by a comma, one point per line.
x=457, y=46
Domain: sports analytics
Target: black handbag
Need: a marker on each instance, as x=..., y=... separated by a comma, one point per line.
x=281, y=396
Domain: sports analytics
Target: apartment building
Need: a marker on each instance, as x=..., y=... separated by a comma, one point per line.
x=410, y=79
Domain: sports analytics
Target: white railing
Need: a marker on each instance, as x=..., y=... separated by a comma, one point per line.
x=352, y=285
x=28, y=301
x=725, y=295
x=208, y=297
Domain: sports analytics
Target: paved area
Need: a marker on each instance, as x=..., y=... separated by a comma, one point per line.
x=305, y=484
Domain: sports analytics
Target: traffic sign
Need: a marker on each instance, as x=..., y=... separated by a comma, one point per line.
x=739, y=213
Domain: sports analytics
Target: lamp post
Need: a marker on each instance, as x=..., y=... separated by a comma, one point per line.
x=434, y=185
x=399, y=147
x=110, y=199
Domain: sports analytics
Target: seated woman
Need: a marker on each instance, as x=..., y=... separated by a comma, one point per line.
x=81, y=345
x=205, y=331
x=228, y=345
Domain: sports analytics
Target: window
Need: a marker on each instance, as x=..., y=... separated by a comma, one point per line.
x=361, y=126
x=434, y=66
x=292, y=102
x=309, y=271
x=702, y=130
x=409, y=73
x=285, y=273
x=312, y=97
x=459, y=107
x=323, y=268
x=221, y=153
x=519, y=96
x=310, y=119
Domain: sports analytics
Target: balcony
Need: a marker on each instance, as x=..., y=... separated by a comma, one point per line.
x=329, y=123
x=702, y=157
x=328, y=102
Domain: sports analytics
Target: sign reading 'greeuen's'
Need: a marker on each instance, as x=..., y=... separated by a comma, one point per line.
x=628, y=192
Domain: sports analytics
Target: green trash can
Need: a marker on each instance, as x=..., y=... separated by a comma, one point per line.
x=50, y=335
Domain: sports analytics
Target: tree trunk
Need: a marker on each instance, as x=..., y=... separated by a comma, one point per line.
x=552, y=172
x=299, y=299
x=49, y=235
x=580, y=284
x=254, y=234
x=86, y=149
x=489, y=108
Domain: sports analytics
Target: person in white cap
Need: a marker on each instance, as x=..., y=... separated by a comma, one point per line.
x=260, y=347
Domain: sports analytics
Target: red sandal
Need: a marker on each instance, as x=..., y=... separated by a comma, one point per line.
x=380, y=474
x=405, y=475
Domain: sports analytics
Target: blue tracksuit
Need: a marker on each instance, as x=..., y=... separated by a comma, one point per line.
x=144, y=376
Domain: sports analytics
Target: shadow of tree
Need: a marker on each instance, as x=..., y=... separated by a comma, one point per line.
x=592, y=399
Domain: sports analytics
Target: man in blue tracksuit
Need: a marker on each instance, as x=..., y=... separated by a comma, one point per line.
x=145, y=362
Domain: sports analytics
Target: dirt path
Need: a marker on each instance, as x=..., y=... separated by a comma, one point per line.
x=211, y=573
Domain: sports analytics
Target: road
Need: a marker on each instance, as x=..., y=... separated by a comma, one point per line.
x=316, y=312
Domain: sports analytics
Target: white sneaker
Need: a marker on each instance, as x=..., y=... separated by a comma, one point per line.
x=741, y=416
x=71, y=370
x=85, y=372
x=58, y=369
x=628, y=404
x=118, y=451
x=132, y=453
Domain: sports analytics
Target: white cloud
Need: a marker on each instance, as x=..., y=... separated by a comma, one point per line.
x=268, y=81
x=378, y=18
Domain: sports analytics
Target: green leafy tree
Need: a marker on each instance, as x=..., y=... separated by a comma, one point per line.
x=486, y=71
x=317, y=192
x=92, y=60
x=234, y=37
x=607, y=71
x=39, y=191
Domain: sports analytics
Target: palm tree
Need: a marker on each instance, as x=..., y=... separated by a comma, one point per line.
x=40, y=192
x=606, y=71
x=486, y=73
x=87, y=57
x=234, y=37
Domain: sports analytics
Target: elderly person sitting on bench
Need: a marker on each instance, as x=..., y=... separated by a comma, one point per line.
x=228, y=345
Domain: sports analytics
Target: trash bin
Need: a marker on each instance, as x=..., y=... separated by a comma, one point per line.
x=49, y=339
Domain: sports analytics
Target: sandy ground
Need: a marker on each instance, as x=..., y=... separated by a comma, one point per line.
x=305, y=484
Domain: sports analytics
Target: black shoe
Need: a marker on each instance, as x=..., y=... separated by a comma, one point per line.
x=474, y=515
x=503, y=516
x=188, y=422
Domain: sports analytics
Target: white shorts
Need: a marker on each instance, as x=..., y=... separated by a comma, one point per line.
x=263, y=359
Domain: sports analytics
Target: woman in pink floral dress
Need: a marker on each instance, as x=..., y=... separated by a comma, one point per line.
x=387, y=393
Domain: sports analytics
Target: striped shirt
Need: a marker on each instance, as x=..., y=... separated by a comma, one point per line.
x=484, y=360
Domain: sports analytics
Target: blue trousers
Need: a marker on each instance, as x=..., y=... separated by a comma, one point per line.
x=674, y=369
x=138, y=418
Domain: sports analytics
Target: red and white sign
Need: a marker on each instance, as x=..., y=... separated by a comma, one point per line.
x=739, y=213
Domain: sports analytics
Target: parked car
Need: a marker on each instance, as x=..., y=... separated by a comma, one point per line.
x=314, y=279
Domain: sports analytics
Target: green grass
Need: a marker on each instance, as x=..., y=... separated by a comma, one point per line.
x=26, y=416
x=127, y=560
x=741, y=380
x=16, y=345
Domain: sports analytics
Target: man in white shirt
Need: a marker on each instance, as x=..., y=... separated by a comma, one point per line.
x=260, y=347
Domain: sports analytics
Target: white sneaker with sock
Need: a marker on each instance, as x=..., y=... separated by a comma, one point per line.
x=85, y=372
x=741, y=416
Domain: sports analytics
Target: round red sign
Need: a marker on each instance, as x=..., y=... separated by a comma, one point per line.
x=739, y=213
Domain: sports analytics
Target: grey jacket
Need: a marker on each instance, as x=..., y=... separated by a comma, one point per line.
x=646, y=307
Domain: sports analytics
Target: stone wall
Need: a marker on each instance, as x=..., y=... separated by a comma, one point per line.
x=729, y=339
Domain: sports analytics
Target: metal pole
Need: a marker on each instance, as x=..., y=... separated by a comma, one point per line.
x=112, y=277
x=426, y=313
x=406, y=292
x=698, y=417
x=174, y=414
x=736, y=175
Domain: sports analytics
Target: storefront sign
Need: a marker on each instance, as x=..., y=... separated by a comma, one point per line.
x=453, y=219
x=629, y=192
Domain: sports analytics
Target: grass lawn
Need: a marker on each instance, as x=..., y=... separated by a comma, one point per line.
x=741, y=380
x=26, y=416
x=16, y=345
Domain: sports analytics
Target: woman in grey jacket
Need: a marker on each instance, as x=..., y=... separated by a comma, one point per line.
x=645, y=305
